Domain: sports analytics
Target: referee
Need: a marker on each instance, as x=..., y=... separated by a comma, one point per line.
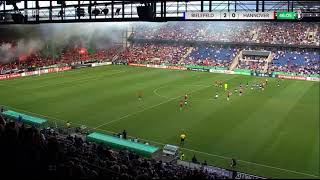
x=182, y=139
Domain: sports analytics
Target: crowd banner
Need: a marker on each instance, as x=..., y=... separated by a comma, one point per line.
x=189, y=164
x=138, y=65
x=9, y=76
x=292, y=77
x=200, y=70
x=31, y=73
x=231, y=174
x=241, y=175
x=101, y=64
x=254, y=73
x=313, y=79
x=198, y=67
x=220, y=171
x=157, y=66
x=218, y=71
x=177, y=67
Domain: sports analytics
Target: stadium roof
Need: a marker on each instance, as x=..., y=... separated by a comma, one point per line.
x=52, y=12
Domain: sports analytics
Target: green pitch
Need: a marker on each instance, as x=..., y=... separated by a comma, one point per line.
x=272, y=133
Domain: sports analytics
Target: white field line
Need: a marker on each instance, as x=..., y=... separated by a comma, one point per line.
x=192, y=150
x=5, y=85
x=224, y=157
x=81, y=80
x=155, y=91
x=137, y=112
x=49, y=84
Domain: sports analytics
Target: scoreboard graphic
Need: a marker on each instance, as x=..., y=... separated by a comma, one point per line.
x=240, y=15
x=243, y=15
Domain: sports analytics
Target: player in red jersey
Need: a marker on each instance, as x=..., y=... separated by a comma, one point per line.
x=181, y=105
x=216, y=83
x=140, y=96
x=228, y=95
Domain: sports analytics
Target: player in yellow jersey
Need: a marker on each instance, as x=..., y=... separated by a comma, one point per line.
x=183, y=137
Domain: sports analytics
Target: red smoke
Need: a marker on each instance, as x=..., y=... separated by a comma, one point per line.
x=83, y=51
x=22, y=57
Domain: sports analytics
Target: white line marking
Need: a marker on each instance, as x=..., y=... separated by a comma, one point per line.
x=155, y=91
x=131, y=114
x=8, y=86
x=137, y=112
x=84, y=80
x=224, y=157
x=160, y=143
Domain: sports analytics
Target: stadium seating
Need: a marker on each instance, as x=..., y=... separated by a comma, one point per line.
x=254, y=32
x=152, y=53
x=299, y=62
x=213, y=56
x=67, y=57
x=289, y=61
x=45, y=153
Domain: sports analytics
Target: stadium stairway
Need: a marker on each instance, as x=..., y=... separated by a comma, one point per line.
x=269, y=60
x=311, y=34
x=115, y=57
x=185, y=55
x=191, y=48
x=235, y=61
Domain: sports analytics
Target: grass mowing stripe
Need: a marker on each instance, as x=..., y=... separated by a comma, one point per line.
x=161, y=143
x=97, y=102
x=128, y=115
x=56, y=75
x=82, y=80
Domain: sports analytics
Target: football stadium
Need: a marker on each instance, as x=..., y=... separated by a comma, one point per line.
x=160, y=89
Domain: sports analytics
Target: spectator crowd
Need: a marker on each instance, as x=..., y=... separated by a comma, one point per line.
x=65, y=58
x=294, y=33
x=297, y=61
x=27, y=151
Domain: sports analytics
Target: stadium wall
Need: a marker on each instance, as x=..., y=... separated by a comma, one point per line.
x=220, y=171
x=46, y=71
x=31, y=73
x=217, y=70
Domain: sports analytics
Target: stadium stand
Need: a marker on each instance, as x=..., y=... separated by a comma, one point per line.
x=299, y=61
x=153, y=54
x=211, y=56
x=47, y=153
x=67, y=57
x=254, y=32
x=294, y=61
